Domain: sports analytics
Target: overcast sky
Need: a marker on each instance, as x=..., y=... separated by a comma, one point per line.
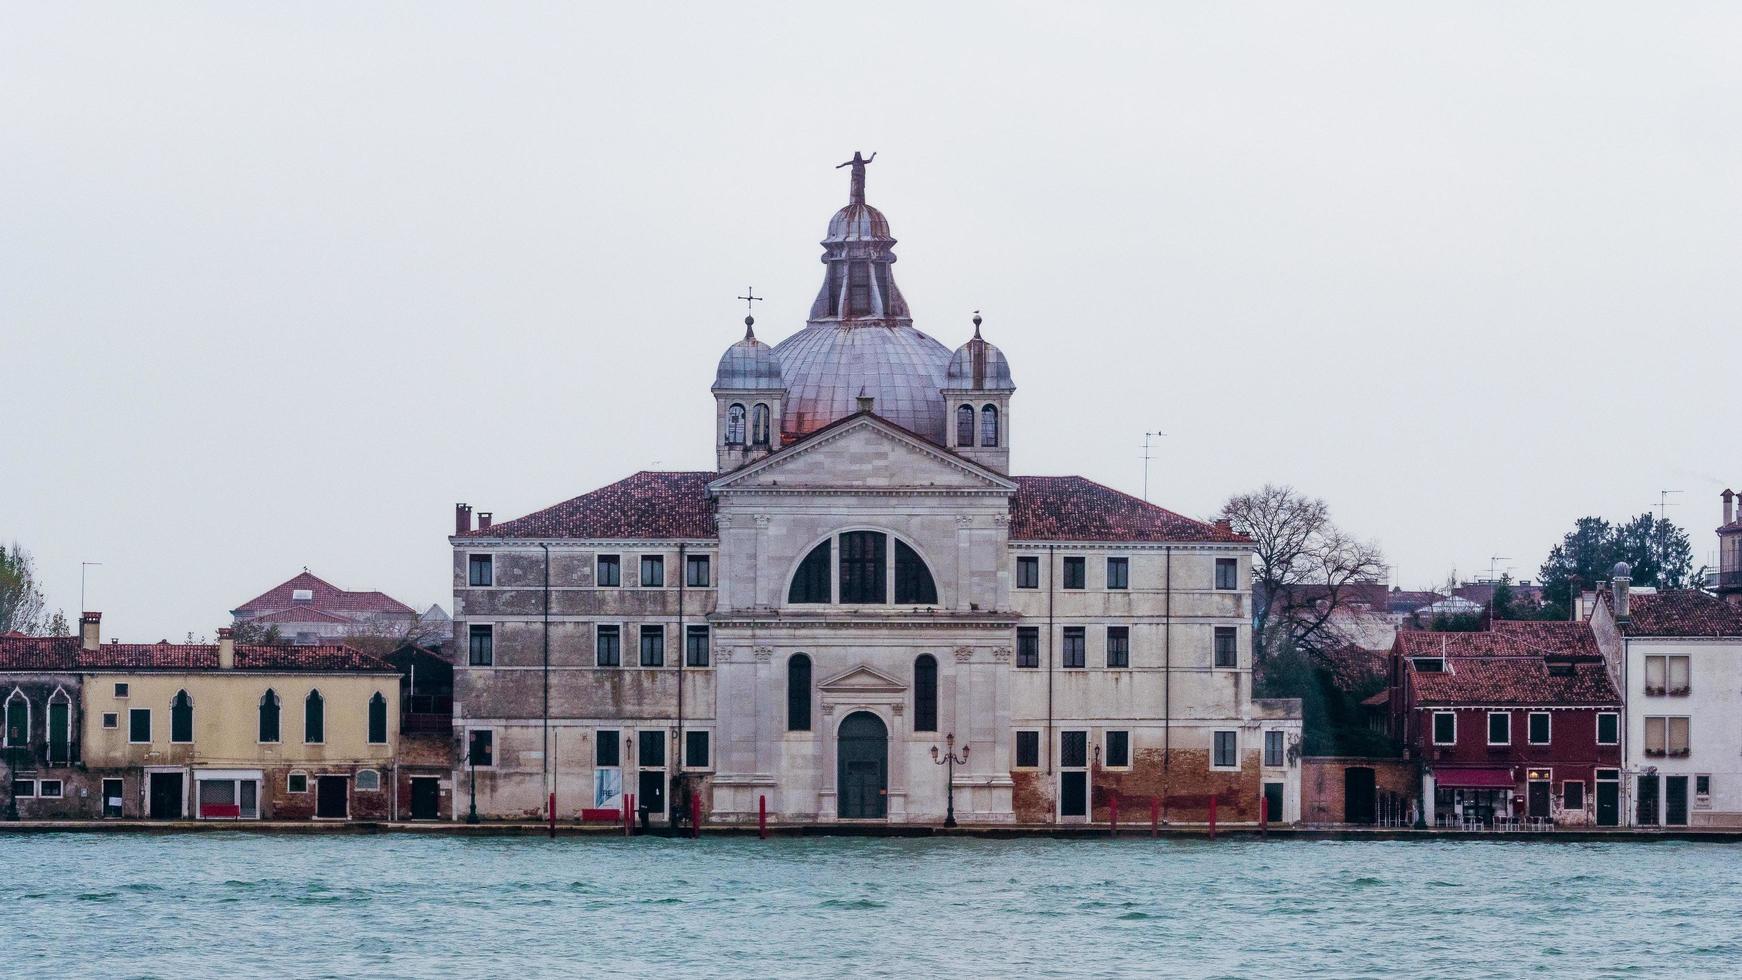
x=282, y=283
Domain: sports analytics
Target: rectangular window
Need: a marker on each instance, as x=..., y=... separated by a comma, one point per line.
x=1028, y=572
x=1703, y=785
x=139, y=725
x=481, y=747
x=49, y=789
x=650, y=749
x=120, y=690
x=1273, y=748
x=607, y=748
x=695, y=749
x=1076, y=574
x=1226, y=753
x=652, y=571
x=1678, y=737
x=1076, y=647
x=480, y=571
x=23, y=788
x=111, y=719
x=481, y=648
x=1118, y=646
x=1227, y=646
x=1227, y=573
x=608, y=647
x=1118, y=573
x=1655, y=669
x=1656, y=736
x=1573, y=795
x=1539, y=726
x=1118, y=750
x=296, y=782
x=1028, y=646
x=697, y=573
x=863, y=567
x=1027, y=750
x=695, y=646
x=1680, y=683
x=609, y=572
x=1074, y=750
x=1608, y=728
x=1499, y=728
x=1445, y=728
x=653, y=646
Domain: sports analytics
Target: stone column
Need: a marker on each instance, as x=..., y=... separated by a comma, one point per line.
x=964, y=559
x=1427, y=797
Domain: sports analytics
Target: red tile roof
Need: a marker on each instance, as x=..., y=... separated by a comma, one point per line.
x=302, y=614
x=1516, y=663
x=646, y=505
x=64, y=653
x=675, y=505
x=326, y=597
x=1071, y=508
x=1683, y=612
x=1508, y=638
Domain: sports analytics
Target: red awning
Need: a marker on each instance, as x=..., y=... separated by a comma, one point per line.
x=1474, y=778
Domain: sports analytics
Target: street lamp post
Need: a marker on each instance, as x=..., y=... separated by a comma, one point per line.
x=472, y=762
x=949, y=757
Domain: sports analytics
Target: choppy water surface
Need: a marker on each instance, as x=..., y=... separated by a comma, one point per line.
x=237, y=904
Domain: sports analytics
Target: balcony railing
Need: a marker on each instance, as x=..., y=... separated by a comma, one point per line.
x=421, y=723
x=1731, y=579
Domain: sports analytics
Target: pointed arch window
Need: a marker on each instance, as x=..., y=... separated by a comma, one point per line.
x=269, y=706
x=735, y=425
x=989, y=426
x=17, y=719
x=378, y=719
x=759, y=425
x=798, y=693
x=925, y=693
x=965, y=426
x=913, y=581
x=314, y=719
x=60, y=728
x=181, y=718
x=811, y=584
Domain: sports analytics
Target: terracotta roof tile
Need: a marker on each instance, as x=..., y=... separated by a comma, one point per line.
x=645, y=505
x=64, y=653
x=325, y=596
x=1071, y=508
x=1515, y=663
x=1684, y=612
x=1508, y=638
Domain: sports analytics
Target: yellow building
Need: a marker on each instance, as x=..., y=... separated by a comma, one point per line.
x=220, y=731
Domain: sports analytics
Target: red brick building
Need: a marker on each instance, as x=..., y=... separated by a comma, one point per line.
x=1518, y=724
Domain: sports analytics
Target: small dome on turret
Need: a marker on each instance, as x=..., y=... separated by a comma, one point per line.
x=748, y=364
x=979, y=366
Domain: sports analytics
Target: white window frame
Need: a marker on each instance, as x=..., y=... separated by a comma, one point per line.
x=622, y=628
x=48, y=726
x=6, y=710
x=16, y=782
x=1547, y=717
x=1282, y=737
x=1434, y=727
x=1039, y=743
x=150, y=731
x=1018, y=572
x=1225, y=731
x=685, y=748
x=490, y=629
x=1490, y=732
x=292, y=775
x=111, y=720
x=1107, y=580
x=1215, y=633
x=1106, y=749
x=42, y=792
x=490, y=560
x=1215, y=581
x=123, y=690
x=357, y=785
x=608, y=554
x=466, y=750
x=1599, y=732
x=1584, y=793
x=640, y=567
x=664, y=647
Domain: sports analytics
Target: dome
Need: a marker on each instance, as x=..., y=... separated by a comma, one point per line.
x=858, y=222
x=979, y=366
x=828, y=365
x=748, y=364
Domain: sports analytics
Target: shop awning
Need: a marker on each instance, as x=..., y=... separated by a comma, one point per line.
x=1473, y=778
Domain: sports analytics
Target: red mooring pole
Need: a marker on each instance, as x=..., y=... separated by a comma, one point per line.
x=628, y=813
x=1155, y=816
x=1113, y=814
x=762, y=817
x=695, y=815
x=553, y=816
x=1212, y=818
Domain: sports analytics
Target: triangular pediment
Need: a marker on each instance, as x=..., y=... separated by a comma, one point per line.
x=865, y=452
x=862, y=679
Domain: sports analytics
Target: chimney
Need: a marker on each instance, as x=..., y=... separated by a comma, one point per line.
x=1575, y=598
x=1729, y=498
x=90, y=630
x=867, y=402
x=462, y=518
x=1623, y=584
x=226, y=648
x=483, y=520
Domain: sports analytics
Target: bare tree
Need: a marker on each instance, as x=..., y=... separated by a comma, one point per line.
x=21, y=602
x=384, y=634
x=1304, y=572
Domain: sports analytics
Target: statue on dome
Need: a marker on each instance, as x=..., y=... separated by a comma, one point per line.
x=856, y=195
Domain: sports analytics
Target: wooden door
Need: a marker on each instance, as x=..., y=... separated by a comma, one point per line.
x=425, y=798
x=862, y=767
x=332, y=797
x=166, y=796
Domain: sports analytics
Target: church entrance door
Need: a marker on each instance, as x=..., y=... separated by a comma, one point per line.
x=862, y=750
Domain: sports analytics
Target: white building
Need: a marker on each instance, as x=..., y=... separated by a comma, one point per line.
x=859, y=585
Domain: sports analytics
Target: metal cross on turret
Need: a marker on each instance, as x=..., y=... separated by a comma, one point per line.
x=856, y=193
x=749, y=317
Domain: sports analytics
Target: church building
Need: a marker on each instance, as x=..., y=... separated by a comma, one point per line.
x=858, y=591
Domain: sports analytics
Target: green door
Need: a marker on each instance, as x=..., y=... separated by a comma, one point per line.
x=862, y=767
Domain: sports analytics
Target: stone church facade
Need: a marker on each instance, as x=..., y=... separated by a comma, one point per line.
x=859, y=586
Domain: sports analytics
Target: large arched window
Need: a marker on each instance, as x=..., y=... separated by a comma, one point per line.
x=17, y=719
x=735, y=425
x=811, y=584
x=988, y=425
x=965, y=425
x=798, y=693
x=314, y=719
x=181, y=718
x=759, y=425
x=913, y=581
x=269, y=716
x=925, y=693
x=863, y=567
x=60, y=728
x=378, y=719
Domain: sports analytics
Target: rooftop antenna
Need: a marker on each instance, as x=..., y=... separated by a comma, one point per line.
x=1663, y=503
x=1146, y=458
x=1492, y=561
x=83, y=566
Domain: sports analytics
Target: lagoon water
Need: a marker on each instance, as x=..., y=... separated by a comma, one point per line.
x=237, y=904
